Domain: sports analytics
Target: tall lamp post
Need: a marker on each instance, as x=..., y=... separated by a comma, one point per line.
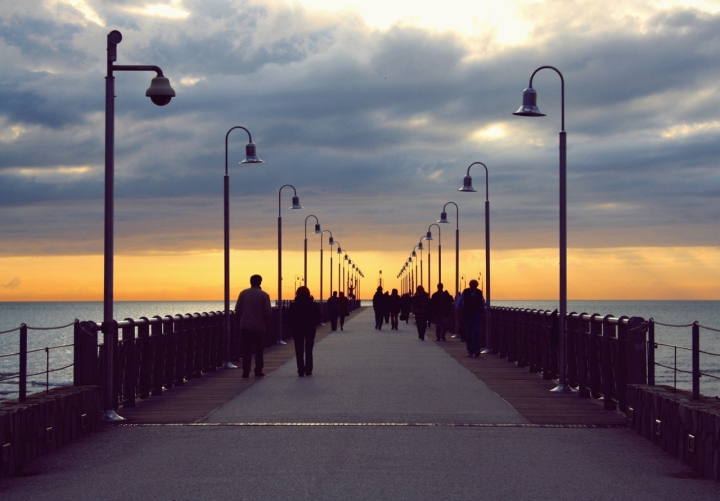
x=160, y=92
x=331, y=242
x=467, y=187
x=420, y=248
x=250, y=158
x=443, y=219
x=339, y=252
x=317, y=231
x=295, y=205
x=428, y=238
x=529, y=109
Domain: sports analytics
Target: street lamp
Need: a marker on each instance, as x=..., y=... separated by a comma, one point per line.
x=467, y=187
x=250, y=158
x=295, y=205
x=331, y=242
x=339, y=252
x=443, y=219
x=160, y=92
x=529, y=109
x=420, y=248
x=428, y=238
x=317, y=231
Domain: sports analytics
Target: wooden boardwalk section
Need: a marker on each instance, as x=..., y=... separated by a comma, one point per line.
x=529, y=393
x=199, y=397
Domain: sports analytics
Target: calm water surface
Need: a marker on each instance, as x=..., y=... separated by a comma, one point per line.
x=49, y=314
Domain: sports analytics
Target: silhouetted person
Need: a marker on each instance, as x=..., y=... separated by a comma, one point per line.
x=386, y=307
x=343, y=309
x=421, y=308
x=378, y=307
x=303, y=317
x=405, y=306
x=439, y=310
x=472, y=305
x=254, y=312
x=332, y=304
x=449, y=314
x=393, y=306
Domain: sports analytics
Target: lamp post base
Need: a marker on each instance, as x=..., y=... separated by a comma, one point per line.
x=112, y=417
x=563, y=388
x=229, y=365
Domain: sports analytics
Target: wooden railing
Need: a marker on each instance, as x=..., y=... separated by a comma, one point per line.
x=149, y=355
x=603, y=353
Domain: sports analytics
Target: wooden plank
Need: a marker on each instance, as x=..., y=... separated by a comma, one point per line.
x=529, y=393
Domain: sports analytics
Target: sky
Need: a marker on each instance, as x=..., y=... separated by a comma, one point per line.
x=373, y=111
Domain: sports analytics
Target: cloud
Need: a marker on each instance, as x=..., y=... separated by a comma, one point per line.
x=13, y=284
x=375, y=127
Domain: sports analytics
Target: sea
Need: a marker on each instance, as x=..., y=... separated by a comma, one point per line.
x=52, y=314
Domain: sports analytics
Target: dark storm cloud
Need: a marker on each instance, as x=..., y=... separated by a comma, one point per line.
x=374, y=128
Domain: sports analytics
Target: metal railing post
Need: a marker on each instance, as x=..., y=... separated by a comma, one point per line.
x=651, y=353
x=696, y=360
x=23, y=363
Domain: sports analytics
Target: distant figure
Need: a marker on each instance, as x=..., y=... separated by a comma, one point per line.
x=405, y=306
x=303, y=318
x=421, y=308
x=332, y=304
x=439, y=310
x=378, y=307
x=472, y=305
x=254, y=312
x=393, y=306
x=343, y=309
x=386, y=307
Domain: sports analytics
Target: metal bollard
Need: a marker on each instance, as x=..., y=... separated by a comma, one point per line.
x=23, y=363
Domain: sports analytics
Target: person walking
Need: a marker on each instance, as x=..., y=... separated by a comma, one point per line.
x=332, y=304
x=421, y=308
x=472, y=306
x=393, y=307
x=405, y=305
x=438, y=310
x=254, y=313
x=343, y=309
x=378, y=302
x=386, y=307
x=303, y=318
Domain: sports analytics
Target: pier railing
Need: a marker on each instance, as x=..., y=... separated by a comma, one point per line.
x=694, y=370
x=604, y=353
x=20, y=372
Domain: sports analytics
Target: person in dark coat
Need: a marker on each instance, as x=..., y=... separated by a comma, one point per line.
x=421, y=308
x=386, y=307
x=303, y=319
x=438, y=309
x=332, y=304
x=393, y=307
x=343, y=309
x=471, y=304
x=405, y=305
x=379, y=307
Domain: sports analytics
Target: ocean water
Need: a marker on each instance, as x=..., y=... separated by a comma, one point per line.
x=50, y=314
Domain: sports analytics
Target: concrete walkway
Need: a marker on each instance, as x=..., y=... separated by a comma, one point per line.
x=385, y=416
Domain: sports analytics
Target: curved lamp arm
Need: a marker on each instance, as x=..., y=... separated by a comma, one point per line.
x=562, y=93
x=439, y=233
x=316, y=222
x=457, y=213
x=280, y=192
x=250, y=141
x=486, y=176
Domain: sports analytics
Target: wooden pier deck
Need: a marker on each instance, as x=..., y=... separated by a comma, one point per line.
x=197, y=398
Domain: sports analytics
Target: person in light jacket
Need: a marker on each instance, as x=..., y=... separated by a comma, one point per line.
x=254, y=312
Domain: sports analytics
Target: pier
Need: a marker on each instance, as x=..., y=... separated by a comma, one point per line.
x=384, y=416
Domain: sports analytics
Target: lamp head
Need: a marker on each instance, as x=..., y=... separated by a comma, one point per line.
x=296, y=203
x=420, y=245
x=251, y=155
x=317, y=231
x=443, y=217
x=413, y=253
x=428, y=236
x=529, y=107
x=160, y=91
x=467, y=185
x=331, y=241
x=339, y=249
x=346, y=258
